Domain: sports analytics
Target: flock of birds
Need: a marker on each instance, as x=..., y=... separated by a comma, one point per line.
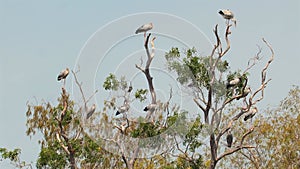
x=228, y=16
x=249, y=115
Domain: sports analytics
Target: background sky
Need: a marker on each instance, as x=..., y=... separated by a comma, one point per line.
x=40, y=38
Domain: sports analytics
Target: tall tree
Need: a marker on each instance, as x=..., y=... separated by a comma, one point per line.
x=172, y=140
x=214, y=92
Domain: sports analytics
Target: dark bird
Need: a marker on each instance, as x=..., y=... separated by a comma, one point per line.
x=228, y=15
x=233, y=82
x=251, y=113
x=229, y=139
x=122, y=109
x=129, y=89
x=63, y=74
x=144, y=28
x=91, y=111
x=150, y=107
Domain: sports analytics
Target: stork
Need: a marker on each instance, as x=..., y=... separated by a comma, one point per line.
x=150, y=107
x=229, y=139
x=144, y=28
x=228, y=15
x=251, y=113
x=122, y=109
x=91, y=111
x=247, y=90
x=63, y=75
x=233, y=82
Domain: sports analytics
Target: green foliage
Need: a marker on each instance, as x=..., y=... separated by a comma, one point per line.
x=145, y=130
x=14, y=157
x=192, y=68
x=191, y=137
x=237, y=89
x=52, y=157
x=111, y=82
x=141, y=94
x=276, y=136
x=11, y=155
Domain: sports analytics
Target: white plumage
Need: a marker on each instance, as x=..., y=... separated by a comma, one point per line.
x=122, y=109
x=233, y=82
x=251, y=113
x=63, y=74
x=150, y=107
x=227, y=14
x=144, y=28
x=247, y=90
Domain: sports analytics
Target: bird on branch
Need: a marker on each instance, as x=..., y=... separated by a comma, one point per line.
x=228, y=15
x=247, y=90
x=251, y=113
x=91, y=111
x=122, y=109
x=233, y=82
x=150, y=107
x=63, y=74
x=229, y=139
x=144, y=28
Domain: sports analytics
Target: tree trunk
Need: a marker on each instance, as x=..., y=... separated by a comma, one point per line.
x=213, y=150
x=72, y=160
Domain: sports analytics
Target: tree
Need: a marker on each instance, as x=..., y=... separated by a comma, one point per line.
x=14, y=157
x=214, y=94
x=165, y=137
x=276, y=137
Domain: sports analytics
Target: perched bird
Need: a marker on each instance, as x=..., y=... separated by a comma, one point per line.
x=144, y=28
x=247, y=90
x=233, y=82
x=91, y=111
x=229, y=139
x=150, y=107
x=63, y=74
x=227, y=14
x=251, y=113
x=122, y=109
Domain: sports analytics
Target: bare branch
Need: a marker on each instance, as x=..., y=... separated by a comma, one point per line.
x=199, y=105
x=140, y=68
x=263, y=77
x=254, y=60
x=241, y=146
x=81, y=91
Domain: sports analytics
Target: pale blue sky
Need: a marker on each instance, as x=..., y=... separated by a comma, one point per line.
x=40, y=38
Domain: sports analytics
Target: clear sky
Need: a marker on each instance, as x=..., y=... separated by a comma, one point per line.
x=40, y=38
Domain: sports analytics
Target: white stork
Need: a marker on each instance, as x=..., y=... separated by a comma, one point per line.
x=150, y=107
x=228, y=15
x=144, y=28
x=91, y=111
x=229, y=139
x=233, y=82
x=251, y=113
x=63, y=74
x=122, y=109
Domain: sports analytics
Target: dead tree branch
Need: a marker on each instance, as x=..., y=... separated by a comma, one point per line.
x=239, y=147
